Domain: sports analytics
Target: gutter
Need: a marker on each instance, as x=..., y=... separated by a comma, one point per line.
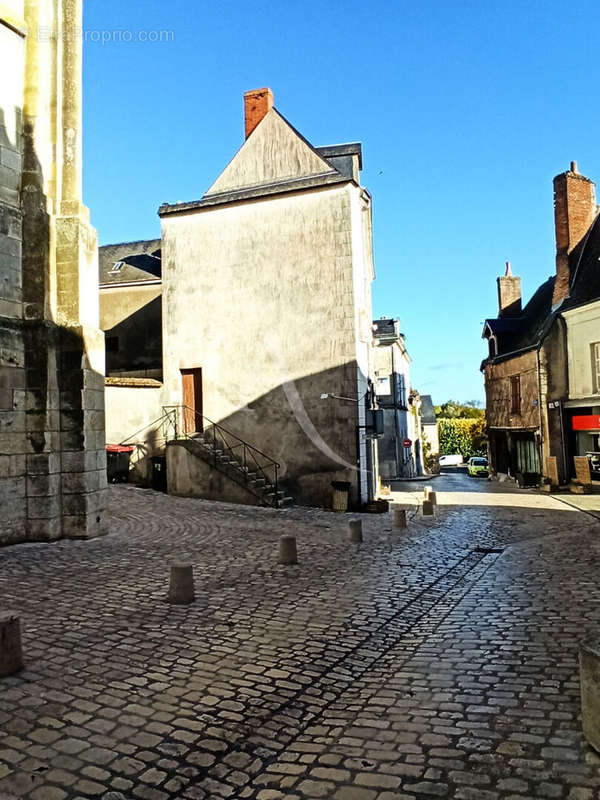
x=129, y=284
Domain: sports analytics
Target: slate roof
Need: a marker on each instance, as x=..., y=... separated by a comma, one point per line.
x=141, y=261
x=428, y=416
x=527, y=331
x=585, y=269
x=385, y=328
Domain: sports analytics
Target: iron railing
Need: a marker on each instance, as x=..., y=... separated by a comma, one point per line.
x=250, y=466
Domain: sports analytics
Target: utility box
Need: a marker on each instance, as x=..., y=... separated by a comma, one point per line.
x=159, y=473
x=374, y=422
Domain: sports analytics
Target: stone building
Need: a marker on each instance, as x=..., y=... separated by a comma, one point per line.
x=540, y=370
x=431, y=437
x=52, y=457
x=266, y=320
x=400, y=447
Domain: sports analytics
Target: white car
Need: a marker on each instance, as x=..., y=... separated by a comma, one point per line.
x=454, y=460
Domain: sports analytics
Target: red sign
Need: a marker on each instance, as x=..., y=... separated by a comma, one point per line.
x=587, y=423
x=407, y=443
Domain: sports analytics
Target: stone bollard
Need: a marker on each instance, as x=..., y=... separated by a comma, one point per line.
x=288, y=552
x=356, y=532
x=426, y=492
x=432, y=497
x=11, y=653
x=427, y=508
x=589, y=672
x=399, y=518
x=181, y=590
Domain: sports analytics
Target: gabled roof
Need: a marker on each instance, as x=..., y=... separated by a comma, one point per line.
x=274, y=159
x=129, y=262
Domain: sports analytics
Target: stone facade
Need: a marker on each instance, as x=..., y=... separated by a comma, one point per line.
x=399, y=404
x=52, y=457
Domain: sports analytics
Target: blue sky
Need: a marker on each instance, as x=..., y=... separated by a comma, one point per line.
x=466, y=111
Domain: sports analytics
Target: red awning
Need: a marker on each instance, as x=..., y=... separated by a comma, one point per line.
x=119, y=448
x=589, y=422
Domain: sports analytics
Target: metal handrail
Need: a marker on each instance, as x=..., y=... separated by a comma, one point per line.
x=250, y=454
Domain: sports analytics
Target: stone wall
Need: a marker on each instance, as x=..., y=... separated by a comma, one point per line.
x=52, y=455
x=498, y=392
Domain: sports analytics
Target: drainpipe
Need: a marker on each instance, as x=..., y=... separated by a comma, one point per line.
x=539, y=374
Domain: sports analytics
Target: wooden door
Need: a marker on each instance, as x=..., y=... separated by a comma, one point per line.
x=191, y=381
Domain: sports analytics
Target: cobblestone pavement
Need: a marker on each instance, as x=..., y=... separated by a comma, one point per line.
x=435, y=662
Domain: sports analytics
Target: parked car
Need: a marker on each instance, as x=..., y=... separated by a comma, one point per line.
x=451, y=461
x=478, y=467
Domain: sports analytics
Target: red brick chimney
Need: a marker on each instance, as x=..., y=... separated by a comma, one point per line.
x=257, y=104
x=574, y=211
x=509, y=294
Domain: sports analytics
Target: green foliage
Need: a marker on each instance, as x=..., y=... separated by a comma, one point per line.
x=452, y=409
x=464, y=436
x=432, y=465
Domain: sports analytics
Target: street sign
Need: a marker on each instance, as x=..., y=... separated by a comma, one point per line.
x=407, y=443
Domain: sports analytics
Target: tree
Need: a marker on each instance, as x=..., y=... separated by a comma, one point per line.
x=452, y=409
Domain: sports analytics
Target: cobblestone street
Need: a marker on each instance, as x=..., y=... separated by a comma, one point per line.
x=440, y=661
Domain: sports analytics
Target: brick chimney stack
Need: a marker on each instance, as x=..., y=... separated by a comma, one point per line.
x=257, y=104
x=509, y=294
x=574, y=211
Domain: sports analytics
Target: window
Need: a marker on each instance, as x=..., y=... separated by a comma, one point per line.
x=383, y=386
x=515, y=394
x=118, y=266
x=112, y=344
x=596, y=367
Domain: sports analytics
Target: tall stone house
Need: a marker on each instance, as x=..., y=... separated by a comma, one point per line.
x=266, y=321
x=542, y=373
x=52, y=456
x=400, y=447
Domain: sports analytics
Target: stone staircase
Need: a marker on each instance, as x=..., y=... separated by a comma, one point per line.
x=254, y=480
x=225, y=452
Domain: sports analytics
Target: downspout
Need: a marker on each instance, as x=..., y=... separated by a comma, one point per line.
x=561, y=411
x=541, y=448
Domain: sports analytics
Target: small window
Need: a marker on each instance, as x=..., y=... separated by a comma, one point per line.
x=383, y=386
x=596, y=367
x=515, y=394
x=118, y=266
x=112, y=344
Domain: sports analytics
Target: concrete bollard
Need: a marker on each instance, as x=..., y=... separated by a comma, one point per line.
x=181, y=589
x=426, y=492
x=288, y=552
x=11, y=653
x=399, y=518
x=427, y=508
x=356, y=531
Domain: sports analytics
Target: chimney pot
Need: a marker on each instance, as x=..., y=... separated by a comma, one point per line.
x=257, y=104
x=508, y=273
x=574, y=167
